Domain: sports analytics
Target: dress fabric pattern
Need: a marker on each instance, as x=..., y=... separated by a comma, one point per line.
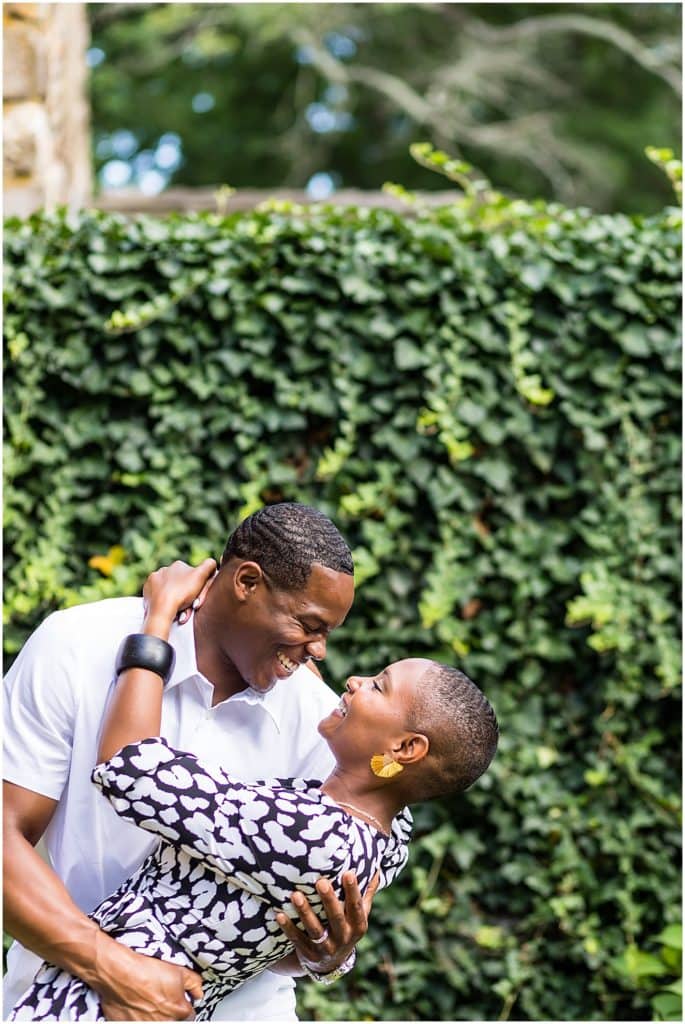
x=229, y=857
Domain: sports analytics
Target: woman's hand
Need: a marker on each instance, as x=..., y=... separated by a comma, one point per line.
x=175, y=590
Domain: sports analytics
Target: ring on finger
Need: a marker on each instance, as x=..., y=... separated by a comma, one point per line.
x=321, y=938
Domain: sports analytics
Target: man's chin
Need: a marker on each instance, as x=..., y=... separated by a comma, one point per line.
x=262, y=688
x=274, y=673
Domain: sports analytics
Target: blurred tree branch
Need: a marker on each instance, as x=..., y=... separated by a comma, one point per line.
x=539, y=103
x=529, y=137
x=535, y=28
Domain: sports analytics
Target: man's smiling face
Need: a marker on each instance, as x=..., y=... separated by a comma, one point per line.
x=281, y=629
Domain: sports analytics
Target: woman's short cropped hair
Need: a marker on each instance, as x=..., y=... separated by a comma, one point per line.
x=462, y=729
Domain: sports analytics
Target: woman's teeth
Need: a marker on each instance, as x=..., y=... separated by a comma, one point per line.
x=285, y=661
x=342, y=707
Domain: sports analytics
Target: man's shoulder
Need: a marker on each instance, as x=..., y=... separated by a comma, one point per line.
x=107, y=616
x=87, y=627
x=69, y=656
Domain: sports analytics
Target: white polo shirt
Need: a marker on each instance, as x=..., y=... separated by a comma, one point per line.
x=55, y=696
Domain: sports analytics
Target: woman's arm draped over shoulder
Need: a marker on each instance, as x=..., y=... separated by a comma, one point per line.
x=135, y=711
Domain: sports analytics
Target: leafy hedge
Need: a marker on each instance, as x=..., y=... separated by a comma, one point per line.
x=486, y=399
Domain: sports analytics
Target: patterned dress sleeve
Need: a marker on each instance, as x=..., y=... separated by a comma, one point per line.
x=396, y=852
x=250, y=834
x=162, y=790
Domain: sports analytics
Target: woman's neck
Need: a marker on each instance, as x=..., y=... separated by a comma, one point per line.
x=378, y=803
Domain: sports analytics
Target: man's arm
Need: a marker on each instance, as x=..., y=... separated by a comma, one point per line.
x=40, y=913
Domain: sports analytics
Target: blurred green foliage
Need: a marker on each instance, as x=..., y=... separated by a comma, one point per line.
x=556, y=99
x=485, y=398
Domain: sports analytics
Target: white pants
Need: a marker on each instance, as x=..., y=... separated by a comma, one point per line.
x=267, y=997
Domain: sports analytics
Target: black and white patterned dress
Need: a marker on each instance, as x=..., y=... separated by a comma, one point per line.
x=229, y=857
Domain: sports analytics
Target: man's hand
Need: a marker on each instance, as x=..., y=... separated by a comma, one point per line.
x=347, y=923
x=136, y=987
x=40, y=913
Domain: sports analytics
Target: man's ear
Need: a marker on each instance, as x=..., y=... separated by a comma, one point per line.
x=246, y=579
x=411, y=748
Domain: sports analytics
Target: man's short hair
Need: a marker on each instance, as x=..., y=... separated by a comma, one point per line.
x=286, y=540
x=462, y=729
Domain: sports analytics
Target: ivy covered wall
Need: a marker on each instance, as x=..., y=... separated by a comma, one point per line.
x=485, y=398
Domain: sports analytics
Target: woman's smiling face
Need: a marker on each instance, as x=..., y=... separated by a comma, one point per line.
x=374, y=712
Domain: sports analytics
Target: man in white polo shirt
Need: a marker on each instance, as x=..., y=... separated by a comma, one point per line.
x=241, y=694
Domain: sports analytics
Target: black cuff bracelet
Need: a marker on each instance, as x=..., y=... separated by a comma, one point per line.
x=139, y=650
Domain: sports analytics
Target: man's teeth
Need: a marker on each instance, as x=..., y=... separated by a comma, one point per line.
x=342, y=707
x=285, y=661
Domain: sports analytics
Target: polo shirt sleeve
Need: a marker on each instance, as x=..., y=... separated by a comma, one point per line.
x=39, y=712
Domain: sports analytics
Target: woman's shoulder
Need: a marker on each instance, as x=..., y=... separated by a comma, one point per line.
x=303, y=796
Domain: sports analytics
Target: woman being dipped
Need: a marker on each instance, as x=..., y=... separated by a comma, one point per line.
x=231, y=855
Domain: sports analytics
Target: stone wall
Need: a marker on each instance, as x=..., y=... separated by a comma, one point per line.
x=45, y=109
x=186, y=200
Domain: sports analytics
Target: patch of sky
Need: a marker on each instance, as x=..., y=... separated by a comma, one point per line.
x=202, y=102
x=152, y=182
x=339, y=45
x=322, y=184
x=121, y=144
x=115, y=174
x=124, y=144
x=335, y=94
x=322, y=119
x=168, y=155
x=103, y=148
x=150, y=170
x=94, y=56
x=303, y=55
x=143, y=162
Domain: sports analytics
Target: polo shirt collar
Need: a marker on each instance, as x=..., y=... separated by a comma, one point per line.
x=274, y=702
x=183, y=640
x=280, y=700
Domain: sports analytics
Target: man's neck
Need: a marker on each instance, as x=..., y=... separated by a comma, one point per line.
x=212, y=663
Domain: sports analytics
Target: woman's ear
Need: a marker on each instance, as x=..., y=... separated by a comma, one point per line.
x=412, y=748
x=246, y=579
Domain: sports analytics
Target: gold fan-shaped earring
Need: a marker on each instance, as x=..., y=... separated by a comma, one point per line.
x=384, y=766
